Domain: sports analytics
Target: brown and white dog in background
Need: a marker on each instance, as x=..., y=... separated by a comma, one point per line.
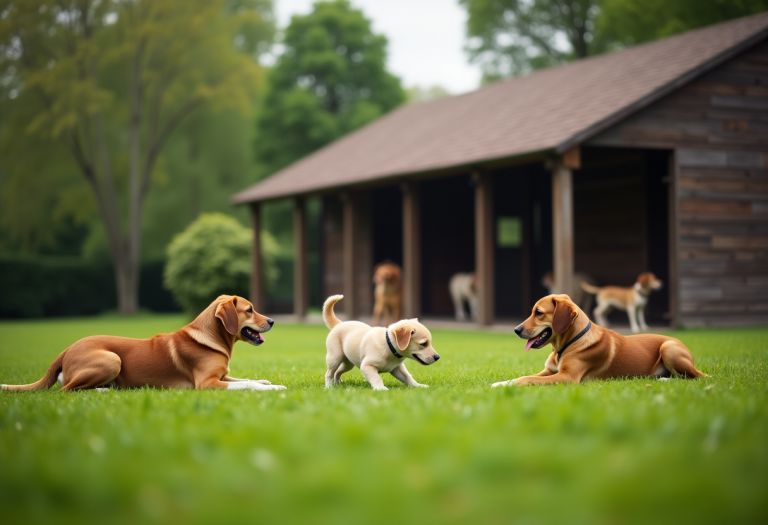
x=632, y=300
x=388, y=293
x=462, y=287
x=197, y=356
x=582, y=350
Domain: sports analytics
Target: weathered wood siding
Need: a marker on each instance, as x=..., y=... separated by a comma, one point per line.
x=718, y=127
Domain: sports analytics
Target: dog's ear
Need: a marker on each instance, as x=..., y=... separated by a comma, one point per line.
x=227, y=313
x=644, y=279
x=565, y=314
x=403, y=335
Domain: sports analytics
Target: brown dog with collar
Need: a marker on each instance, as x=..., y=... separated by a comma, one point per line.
x=583, y=350
x=197, y=356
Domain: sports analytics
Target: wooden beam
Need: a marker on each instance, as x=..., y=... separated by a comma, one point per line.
x=484, y=246
x=411, y=251
x=562, y=227
x=350, y=266
x=257, y=271
x=572, y=158
x=300, y=261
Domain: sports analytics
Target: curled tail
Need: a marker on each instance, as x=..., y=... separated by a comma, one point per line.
x=589, y=288
x=328, y=316
x=50, y=377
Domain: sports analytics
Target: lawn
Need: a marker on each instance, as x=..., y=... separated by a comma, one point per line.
x=627, y=451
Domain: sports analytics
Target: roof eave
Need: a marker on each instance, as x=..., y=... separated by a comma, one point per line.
x=495, y=162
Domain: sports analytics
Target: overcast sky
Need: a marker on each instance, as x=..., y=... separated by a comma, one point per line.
x=426, y=39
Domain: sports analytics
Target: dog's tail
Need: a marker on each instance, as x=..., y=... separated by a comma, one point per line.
x=328, y=316
x=50, y=377
x=589, y=288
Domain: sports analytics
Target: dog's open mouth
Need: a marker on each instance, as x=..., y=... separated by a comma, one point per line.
x=419, y=359
x=252, y=336
x=540, y=340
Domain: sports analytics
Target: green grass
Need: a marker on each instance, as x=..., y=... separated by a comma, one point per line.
x=627, y=451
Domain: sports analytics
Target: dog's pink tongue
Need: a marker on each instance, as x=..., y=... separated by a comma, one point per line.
x=529, y=344
x=259, y=337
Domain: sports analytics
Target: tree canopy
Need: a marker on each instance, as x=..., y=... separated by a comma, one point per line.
x=330, y=79
x=101, y=87
x=513, y=37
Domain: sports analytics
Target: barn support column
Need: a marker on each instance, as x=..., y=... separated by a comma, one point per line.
x=350, y=266
x=484, y=244
x=411, y=251
x=257, y=269
x=300, y=264
x=562, y=219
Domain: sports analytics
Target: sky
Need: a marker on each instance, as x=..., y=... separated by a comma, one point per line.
x=426, y=39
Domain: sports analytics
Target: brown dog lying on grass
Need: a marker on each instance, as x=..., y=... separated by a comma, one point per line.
x=197, y=356
x=582, y=350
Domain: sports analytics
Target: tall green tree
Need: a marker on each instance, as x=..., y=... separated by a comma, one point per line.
x=329, y=80
x=512, y=37
x=105, y=84
x=629, y=22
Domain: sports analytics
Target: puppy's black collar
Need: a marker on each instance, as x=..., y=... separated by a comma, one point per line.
x=389, y=344
x=569, y=343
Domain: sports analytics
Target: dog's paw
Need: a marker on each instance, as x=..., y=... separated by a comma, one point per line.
x=419, y=385
x=258, y=385
x=382, y=387
x=261, y=381
x=3, y=387
x=511, y=382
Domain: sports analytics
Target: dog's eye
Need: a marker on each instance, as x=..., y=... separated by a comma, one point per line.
x=249, y=310
x=423, y=344
x=539, y=313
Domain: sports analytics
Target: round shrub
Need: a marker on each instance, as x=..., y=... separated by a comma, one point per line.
x=213, y=257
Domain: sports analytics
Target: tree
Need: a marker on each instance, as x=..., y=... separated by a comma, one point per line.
x=629, y=22
x=107, y=83
x=329, y=80
x=513, y=37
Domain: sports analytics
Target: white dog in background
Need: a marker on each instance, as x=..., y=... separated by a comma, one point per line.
x=462, y=288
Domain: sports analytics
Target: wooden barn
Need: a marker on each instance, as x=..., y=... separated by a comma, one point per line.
x=651, y=158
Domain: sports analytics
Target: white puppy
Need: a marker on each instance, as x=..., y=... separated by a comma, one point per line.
x=462, y=288
x=374, y=350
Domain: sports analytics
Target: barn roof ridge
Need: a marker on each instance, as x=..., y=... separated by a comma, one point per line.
x=516, y=117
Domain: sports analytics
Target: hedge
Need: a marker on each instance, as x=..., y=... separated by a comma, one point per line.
x=35, y=286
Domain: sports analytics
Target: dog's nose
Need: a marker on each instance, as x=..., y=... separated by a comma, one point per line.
x=437, y=356
x=519, y=330
x=270, y=322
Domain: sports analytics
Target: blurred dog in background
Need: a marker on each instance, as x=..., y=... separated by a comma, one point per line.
x=463, y=289
x=388, y=294
x=632, y=300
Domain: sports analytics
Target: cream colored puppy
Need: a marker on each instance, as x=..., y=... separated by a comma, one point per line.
x=374, y=350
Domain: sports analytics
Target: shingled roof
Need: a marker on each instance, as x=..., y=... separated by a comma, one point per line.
x=548, y=111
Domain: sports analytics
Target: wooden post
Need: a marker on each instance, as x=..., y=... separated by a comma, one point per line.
x=350, y=267
x=411, y=251
x=484, y=246
x=257, y=272
x=674, y=228
x=562, y=226
x=300, y=264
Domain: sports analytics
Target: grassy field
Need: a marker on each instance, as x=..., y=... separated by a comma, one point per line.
x=627, y=451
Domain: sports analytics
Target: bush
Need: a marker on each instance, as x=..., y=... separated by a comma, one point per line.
x=38, y=286
x=213, y=257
